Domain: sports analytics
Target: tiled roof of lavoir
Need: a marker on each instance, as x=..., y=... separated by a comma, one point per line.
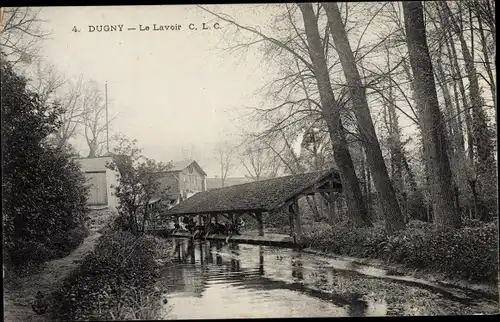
x=263, y=195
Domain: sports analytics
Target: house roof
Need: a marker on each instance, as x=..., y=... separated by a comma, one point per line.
x=264, y=195
x=93, y=164
x=181, y=165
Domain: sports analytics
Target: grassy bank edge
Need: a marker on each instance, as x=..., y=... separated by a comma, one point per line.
x=89, y=283
x=17, y=300
x=489, y=290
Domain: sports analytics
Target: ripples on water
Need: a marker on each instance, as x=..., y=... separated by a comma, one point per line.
x=212, y=280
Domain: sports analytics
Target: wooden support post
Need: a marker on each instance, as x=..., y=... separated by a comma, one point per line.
x=333, y=207
x=201, y=254
x=261, y=223
x=207, y=220
x=291, y=219
x=261, y=261
x=326, y=197
x=298, y=221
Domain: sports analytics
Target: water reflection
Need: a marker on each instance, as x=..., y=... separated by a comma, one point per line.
x=260, y=281
x=296, y=264
x=210, y=255
x=218, y=246
x=261, y=260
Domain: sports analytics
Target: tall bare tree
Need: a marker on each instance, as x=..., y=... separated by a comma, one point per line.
x=485, y=43
x=54, y=88
x=45, y=80
x=74, y=111
x=390, y=206
x=482, y=136
x=435, y=146
x=21, y=34
x=331, y=114
x=224, y=154
x=94, y=118
x=256, y=160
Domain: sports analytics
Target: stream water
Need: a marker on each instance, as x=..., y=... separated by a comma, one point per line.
x=213, y=280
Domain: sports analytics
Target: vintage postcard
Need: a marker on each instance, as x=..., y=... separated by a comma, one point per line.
x=276, y=160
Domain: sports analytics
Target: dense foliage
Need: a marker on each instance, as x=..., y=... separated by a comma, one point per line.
x=43, y=190
x=469, y=253
x=115, y=282
x=139, y=184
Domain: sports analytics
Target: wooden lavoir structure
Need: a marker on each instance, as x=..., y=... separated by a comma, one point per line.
x=259, y=197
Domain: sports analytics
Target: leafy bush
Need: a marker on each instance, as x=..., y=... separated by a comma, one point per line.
x=43, y=192
x=278, y=220
x=469, y=253
x=65, y=242
x=139, y=184
x=105, y=285
x=416, y=205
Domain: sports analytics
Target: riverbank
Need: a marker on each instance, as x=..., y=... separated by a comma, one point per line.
x=394, y=270
x=118, y=281
x=211, y=282
x=20, y=293
x=48, y=277
x=466, y=258
x=489, y=289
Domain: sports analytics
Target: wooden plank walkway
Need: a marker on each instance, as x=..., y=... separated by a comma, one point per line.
x=267, y=239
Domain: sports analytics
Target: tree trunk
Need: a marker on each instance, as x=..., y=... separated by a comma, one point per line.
x=331, y=113
x=468, y=169
x=456, y=147
x=395, y=144
x=465, y=103
x=459, y=139
x=392, y=212
x=482, y=136
x=453, y=128
x=333, y=208
x=438, y=163
x=487, y=66
x=369, y=194
x=313, y=207
x=362, y=169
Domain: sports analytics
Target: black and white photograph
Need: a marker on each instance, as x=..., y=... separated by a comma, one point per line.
x=237, y=161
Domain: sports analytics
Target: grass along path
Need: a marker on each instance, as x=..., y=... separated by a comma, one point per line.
x=19, y=296
x=18, y=299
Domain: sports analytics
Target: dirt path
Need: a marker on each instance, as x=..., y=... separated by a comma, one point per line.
x=17, y=300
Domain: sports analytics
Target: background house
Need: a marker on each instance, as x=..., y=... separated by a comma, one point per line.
x=100, y=179
x=185, y=179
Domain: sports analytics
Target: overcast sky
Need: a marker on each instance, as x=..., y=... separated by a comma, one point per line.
x=174, y=91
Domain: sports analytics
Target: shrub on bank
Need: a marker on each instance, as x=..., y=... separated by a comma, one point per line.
x=43, y=190
x=106, y=285
x=470, y=253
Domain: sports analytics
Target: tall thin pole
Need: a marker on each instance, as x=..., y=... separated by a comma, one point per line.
x=107, y=122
